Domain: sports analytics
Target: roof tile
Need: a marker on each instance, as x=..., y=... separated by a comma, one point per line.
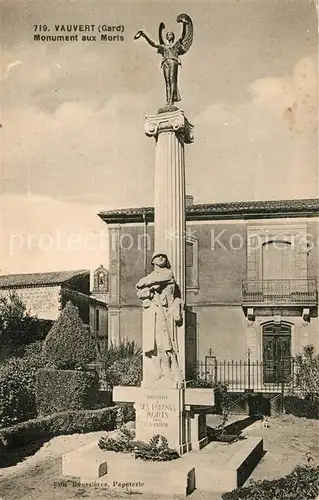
x=38, y=279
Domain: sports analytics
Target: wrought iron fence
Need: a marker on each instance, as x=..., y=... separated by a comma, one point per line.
x=248, y=375
x=285, y=291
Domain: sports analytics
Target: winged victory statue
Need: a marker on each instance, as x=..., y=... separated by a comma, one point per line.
x=171, y=50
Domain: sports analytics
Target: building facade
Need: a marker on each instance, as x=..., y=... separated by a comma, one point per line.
x=251, y=273
x=46, y=294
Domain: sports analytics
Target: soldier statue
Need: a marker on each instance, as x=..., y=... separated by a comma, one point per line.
x=162, y=313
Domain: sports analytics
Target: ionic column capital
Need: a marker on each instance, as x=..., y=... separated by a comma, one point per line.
x=174, y=121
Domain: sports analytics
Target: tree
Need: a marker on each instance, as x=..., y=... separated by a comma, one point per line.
x=17, y=327
x=69, y=344
x=306, y=380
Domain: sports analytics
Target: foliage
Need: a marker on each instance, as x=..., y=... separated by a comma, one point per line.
x=119, y=421
x=124, y=442
x=125, y=372
x=156, y=449
x=222, y=398
x=34, y=352
x=17, y=387
x=69, y=345
x=117, y=351
x=17, y=327
x=306, y=380
x=301, y=407
x=122, y=364
x=129, y=413
x=69, y=422
x=61, y=390
x=223, y=403
x=301, y=484
x=199, y=382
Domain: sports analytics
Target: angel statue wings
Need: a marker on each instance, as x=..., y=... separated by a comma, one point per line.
x=171, y=50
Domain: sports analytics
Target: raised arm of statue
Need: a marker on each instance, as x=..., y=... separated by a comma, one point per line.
x=185, y=41
x=151, y=42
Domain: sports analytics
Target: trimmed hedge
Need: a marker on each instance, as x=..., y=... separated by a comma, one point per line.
x=301, y=484
x=69, y=422
x=301, y=407
x=17, y=388
x=62, y=390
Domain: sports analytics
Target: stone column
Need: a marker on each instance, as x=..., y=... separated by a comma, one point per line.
x=171, y=131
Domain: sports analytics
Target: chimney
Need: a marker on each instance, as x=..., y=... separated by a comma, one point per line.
x=189, y=200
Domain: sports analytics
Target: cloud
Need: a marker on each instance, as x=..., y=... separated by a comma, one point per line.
x=73, y=132
x=293, y=97
x=80, y=148
x=265, y=148
x=40, y=234
x=13, y=65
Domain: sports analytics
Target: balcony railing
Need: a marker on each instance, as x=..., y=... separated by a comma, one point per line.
x=295, y=292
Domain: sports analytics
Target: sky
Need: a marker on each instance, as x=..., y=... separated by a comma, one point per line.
x=72, y=136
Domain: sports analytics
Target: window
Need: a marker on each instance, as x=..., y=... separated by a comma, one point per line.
x=276, y=260
x=191, y=262
x=97, y=320
x=276, y=252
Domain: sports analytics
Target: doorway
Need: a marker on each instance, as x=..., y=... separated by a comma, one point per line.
x=276, y=352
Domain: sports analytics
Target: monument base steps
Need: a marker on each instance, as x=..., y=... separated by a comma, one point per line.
x=218, y=467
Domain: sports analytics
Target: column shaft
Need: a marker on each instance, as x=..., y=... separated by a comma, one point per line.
x=170, y=203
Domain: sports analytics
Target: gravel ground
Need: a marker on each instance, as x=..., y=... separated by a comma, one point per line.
x=38, y=477
x=289, y=441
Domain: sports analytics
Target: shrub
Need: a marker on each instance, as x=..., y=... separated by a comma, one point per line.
x=69, y=344
x=17, y=388
x=223, y=403
x=122, y=364
x=156, y=449
x=301, y=407
x=306, y=380
x=69, y=422
x=33, y=351
x=125, y=372
x=123, y=443
x=17, y=327
x=123, y=349
x=129, y=413
x=199, y=383
x=61, y=390
x=301, y=484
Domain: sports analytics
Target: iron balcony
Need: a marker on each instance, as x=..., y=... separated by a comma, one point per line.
x=293, y=292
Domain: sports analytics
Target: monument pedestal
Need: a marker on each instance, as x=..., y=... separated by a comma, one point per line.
x=218, y=467
x=168, y=412
x=161, y=411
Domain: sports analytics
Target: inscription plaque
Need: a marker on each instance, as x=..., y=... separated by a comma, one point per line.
x=158, y=412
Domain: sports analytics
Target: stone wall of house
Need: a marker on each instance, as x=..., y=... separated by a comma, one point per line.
x=43, y=302
x=101, y=330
